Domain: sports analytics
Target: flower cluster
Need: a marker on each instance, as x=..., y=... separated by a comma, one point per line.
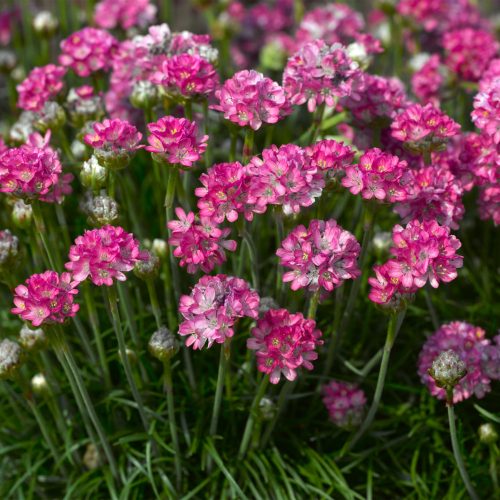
x=426, y=82
x=30, y=170
x=112, y=13
x=330, y=156
x=473, y=348
x=42, y=84
x=284, y=342
x=103, y=255
x=213, y=307
x=87, y=51
x=486, y=113
x=423, y=128
x=46, y=298
x=176, y=141
x=345, y=403
x=250, y=98
x=377, y=175
x=199, y=242
x=321, y=256
x=319, y=73
x=423, y=252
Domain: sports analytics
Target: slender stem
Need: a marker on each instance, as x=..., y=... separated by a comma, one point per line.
x=431, y=308
x=254, y=261
x=232, y=148
x=223, y=361
x=40, y=228
x=339, y=294
x=153, y=297
x=252, y=416
x=393, y=327
x=248, y=145
x=458, y=455
x=316, y=124
x=313, y=305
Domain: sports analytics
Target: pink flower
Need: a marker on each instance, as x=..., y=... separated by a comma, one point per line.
x=123, y=13
x=318, y=74
x=471, y=345
x=250, y=98
x=175, y=140
x=213, y=307
x=42, y=84
x=489, y=200
x=330, y=156
x=30, y=170
x=283, y=176
x=60, y=190
x=423, y=127
x=378, y=175
x=322, y=256
x=187, y=75
x=8, y=18
x=87, y=51
x=200, y=243
x=427, y=81
x=486, y=113
x=387, y=291
x=103, y=255
x=345, y=403
x=46, y=298
x=284, y=342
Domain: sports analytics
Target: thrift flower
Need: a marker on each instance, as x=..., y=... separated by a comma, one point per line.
x=345, y=403
x=123, y=13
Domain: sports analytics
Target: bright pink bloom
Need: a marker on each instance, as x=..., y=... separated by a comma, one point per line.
x=486, y=113
x=319, y=73
x=283, y=176
x=200, y=243
x=60, y=190
x=387, y=291
x=42, y=84
x=250, y=98
x=330, y=156
x=8, y=18
x=345, y=403
x=471, y=345
x=123, y=13
x=188, y=75
x=489, y=200
x=103, y=255
x=321, y=256
x=87, y=51
x=284, y=342
x=378, y=175
x=213, y=307
x=427, y=81
x=46, y=298
x=176, y=140
x=30, y=170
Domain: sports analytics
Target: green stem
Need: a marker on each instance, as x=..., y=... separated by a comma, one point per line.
x=248, y=145
x=339, y=294
x=40, y=228
x=316, y=124
x=254, y=261
x=313, y=305
x=188, y=110
x=223, y=361
x=431, y=308
x=153, y=297
x=232, y=148
x=252, y=416
x=458, y=456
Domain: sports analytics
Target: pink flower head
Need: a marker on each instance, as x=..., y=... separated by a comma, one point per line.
x=87, y=51
x=199, y=242
x=489, y=200
x=187, y=75
x=322, y=256
x=469, y=51
x=213, y=307
x=7, y=19
x=60, y=190
x=486, y=113
x=318, y=74
x=30, y=170
x=330, y=156
x=284, y=342
x=175, y=140
x=427, y=81
x=250, y=98
x=378, y=175
x=423, y=128
x=345, y=403
x=46, y=298
x=42, y=84
x=283, y=176
x=123, y=13
x=471, y=345
x=103, y=254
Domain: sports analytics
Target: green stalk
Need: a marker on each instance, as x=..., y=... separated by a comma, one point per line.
x=339, y=294
x=248, y=145
x=313, y=305
x=252, y=251
x=317, y=121
x=40, y=228
x=223, y=362
x=456, y=451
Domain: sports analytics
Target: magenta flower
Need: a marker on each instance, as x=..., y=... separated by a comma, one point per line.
x=42, y=84
x=330, y=156
x=87, y=51
x=345, y=403
x=250, y=98
x=187, y=75
x=489, y=201
x=59, y=190
x=427, y=81
x=284, y=342
x=103, y=255
x=473, y=348
x=213, y=307
x=283, y=176
x=175, y=140
x=30, y=170
x=200, y=243
x=378, y=175
x=125, y=14
x=322, y=256
x=318, y=74
x=486, y=113
x=46, y=298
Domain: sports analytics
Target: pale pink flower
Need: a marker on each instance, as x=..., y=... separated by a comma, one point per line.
x=125, y=14
x=345, y=403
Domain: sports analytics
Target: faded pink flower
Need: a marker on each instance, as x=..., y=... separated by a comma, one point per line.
x=125, y=14
x=345, y=403
x=486, y=112
x=427, y=81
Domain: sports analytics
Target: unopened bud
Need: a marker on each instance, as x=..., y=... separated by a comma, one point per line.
x=267, y=303
x=10, y=358
x=101, y=210
x=45, y=24
x=159, y=248
x=91, y=457
x=114, y=160
x=357, y=52
x=382, y=241
x=163, y=344
x=22, y=128
x=447, y=370
x=52, y=117
x=488, y=434
x=22, y=213
x=9, y=251
x=78, y=149
x=32, y=340
x=131, y=355
x=18, y=74
x=83, y=106
x=267, y=408
x=93, y=175
x=144, y=94
x=148, y=267
x=39, y=384
x=8, y=61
